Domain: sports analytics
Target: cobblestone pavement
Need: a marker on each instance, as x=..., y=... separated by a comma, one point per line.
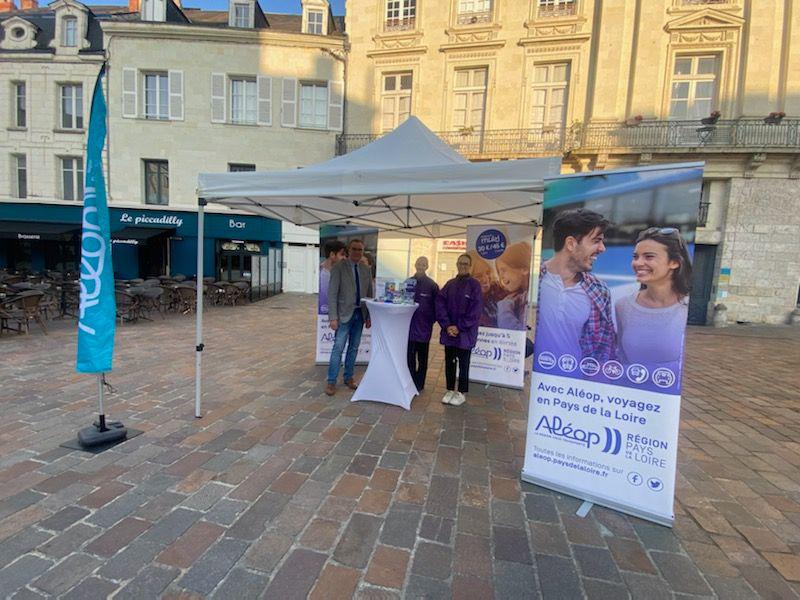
x=281, y=492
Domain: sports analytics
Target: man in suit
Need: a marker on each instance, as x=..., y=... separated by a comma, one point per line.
x=350, y=282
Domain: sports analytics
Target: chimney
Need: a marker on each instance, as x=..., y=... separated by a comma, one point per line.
x=7, y=5
x=133, y=6
x=28, y=4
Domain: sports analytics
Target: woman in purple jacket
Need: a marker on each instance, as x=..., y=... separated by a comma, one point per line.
x=419, y=335
x=458, y=310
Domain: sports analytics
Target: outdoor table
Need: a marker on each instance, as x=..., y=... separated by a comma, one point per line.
x=387, y=378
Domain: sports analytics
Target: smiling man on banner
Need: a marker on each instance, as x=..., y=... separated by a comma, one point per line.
x=97, y=320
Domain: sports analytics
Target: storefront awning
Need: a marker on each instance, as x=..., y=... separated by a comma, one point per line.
x=22, y=230
x=141, y=233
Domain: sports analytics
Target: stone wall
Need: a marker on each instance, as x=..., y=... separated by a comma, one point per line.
x=761, y=247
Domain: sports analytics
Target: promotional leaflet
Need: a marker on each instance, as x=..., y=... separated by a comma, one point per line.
x=501, y=261
x=613, y=301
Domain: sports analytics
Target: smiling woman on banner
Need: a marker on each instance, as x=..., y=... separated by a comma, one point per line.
x=651, y=322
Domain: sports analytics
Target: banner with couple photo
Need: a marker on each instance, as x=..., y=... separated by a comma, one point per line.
x=608, y=354
x=342, y=234
x=501, y=261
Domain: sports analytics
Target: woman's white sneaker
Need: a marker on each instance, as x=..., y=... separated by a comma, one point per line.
x=448, y=397
x=458, y=399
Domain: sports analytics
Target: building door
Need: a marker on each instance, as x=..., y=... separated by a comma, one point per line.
x=153, y=256
x=297, y=267
x=702, y=282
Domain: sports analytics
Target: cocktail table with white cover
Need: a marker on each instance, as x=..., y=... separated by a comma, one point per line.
x=387, y=378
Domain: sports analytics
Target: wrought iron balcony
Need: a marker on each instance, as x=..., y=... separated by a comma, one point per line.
x=400, y=24
x=470, y=18
x=741, y=135
x=702, y=214
x=556, y=9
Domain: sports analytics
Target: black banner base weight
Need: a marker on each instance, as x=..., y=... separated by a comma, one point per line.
x=89, y=437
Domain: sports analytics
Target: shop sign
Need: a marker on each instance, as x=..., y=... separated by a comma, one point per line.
x=452, y=245
x=127, y=242
x=28, y=236
x=234, y=224
x=151, y=219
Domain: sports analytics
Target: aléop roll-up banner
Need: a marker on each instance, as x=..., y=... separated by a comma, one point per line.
x=501, y=262
x=326, y=335
x=608, y=355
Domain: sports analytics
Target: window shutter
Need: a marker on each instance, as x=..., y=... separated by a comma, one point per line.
x=289, y=103
x=264, y=100
x=217, y=97
x=176, y=95
x=129, y=77
x=335, y=105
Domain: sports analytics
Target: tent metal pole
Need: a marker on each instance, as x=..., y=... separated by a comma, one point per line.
x=198, y=374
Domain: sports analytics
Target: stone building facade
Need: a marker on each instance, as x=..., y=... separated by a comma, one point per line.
x=611, y=84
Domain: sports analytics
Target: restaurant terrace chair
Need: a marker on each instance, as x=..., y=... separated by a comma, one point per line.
x=214, y=293
x=244, y=288
x=127, y=306
x=27, y=306
x=9, y=315
x=188, y=298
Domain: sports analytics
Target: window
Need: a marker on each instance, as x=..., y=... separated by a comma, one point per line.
x=156, y=96
x=72, y=178
x=244, y=101
x=395, y=100
x=313, y=105
x=240, y=167
x=69, y=32
x=549, y=95
x=474, y=11
x=156, y=182
x=72, y=106
x=400, y=14
x=556, y=8
x=241, y=15
x=694, y=87
x=19, y=175
x=19, y=108
x=469, y=98
x=315, y=22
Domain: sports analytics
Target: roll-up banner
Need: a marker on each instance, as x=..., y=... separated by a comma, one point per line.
x=501, y=262
x=608, y=354
x=327, y=237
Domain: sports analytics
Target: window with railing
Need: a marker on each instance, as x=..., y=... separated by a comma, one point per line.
x=471, y=12
x=694, y=87
x=469, y=99
x=395, y=100
x=549, y=95
x=400, y=15
x=556, y=8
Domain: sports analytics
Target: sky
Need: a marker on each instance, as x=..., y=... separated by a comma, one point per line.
x=268, y=6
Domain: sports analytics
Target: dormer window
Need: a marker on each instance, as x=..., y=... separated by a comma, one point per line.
x=315, y=22
x=69, y=32
x=241, y=15
x=18, y=33
x=154, y=10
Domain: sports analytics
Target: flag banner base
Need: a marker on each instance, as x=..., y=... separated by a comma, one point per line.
x=599, y=500
x=101, y=433
x=74, y=444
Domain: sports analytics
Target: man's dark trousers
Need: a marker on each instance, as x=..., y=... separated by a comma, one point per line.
x=418, y=362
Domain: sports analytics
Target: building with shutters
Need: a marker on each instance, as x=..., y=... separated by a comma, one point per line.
x=611, y=84
x=187, y=91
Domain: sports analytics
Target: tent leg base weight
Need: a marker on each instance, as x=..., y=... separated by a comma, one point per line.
x=90, y=437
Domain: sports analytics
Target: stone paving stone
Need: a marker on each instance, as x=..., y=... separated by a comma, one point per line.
x=64, y=518
x=66, y=574
x=558, y=577
x=473, y=556
x=432, y=560
x=630, y=555
x=129, y=561
x=731, y=588
x=647, y=586
x=206, y=496
x=297, y=575
x=473, y=520
x=21, y=572
x=357, y=541
x=27, y=594
x=436, y=529
x=22, y=543
x=766, y=582
x=118, y=537
x=511, y=545
x=268, y=551
x=400, y=526
x=426, y=588
x=117, y=509
x=548, y=538
x=93, y=588
x=788, y=565
x=105, y=494
x=597, y=563
x=387, y=568
x=540, y=508
x=190, y=545
x=513, y=580
x=252, y=522
x=241, y=584
x=374, y=501
x=393, y=460
x=225, y=511
x=150, y=582
x=471, y=588
x=604, y=590
x=320, y=534
x=680, y=572
x=336, y=582
x=442, y=496
x=171, y=527
x=509, y=514
x=19, y=501
x=213, y=566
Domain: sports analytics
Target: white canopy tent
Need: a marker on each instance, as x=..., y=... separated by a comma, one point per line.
x=407, y=182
